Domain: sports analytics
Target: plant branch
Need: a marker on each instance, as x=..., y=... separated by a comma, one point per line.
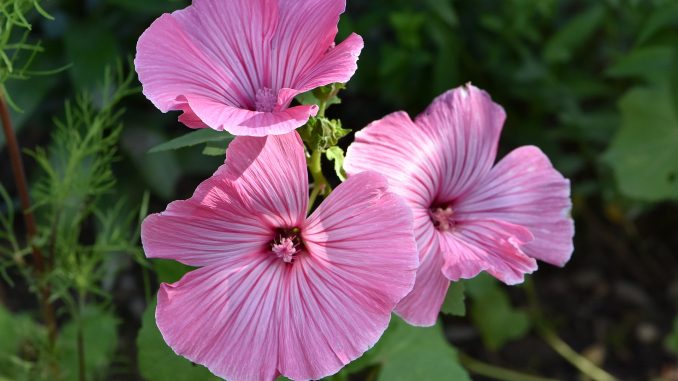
x=320, y=184
x=584, y=365
x=495, y=372
x=29, y=220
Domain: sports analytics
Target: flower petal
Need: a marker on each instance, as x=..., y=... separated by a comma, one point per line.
x=361, y=261
x=337, y=65
x=464, y=125
x=262, y=186
x=421, y=306
x=398, y=149
x=176, y=57
x=244, y=122
x=304, y=40
x=270, y=175
x=224, y=317
x=490, y=245
x=525, y=189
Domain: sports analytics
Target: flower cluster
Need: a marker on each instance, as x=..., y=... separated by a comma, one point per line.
x=279, y=292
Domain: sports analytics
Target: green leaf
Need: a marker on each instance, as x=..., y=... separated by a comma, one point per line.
x=454, y=300
x=16, y=331
x=157, y=361
x=100, y=341
x=216, y=148
x=561, y=47
x=671, y=341
x=193, y=138
x=643, y=153
x=651, y=63
x=336, y=154
x=413, y=353
x=492, y=313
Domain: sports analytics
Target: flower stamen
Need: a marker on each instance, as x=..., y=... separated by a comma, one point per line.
x=442, y=218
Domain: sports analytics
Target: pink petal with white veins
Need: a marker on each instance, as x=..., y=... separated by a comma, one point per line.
x=464, y=125
x=361, y=260
x=421, y=306
x=243, y=122
x=224, y=317
x=236, y=65
x=525, y=189
x=492, y=246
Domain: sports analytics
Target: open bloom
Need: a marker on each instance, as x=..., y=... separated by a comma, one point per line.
x=236, y=65
x=276, y=292
x=470, y=216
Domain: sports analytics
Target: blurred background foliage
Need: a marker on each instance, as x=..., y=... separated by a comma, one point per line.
x=593, y=83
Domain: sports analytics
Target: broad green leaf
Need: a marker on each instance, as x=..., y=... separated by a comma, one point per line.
x=643, y=153
x=16, y=331
x=671, y=341
x=454, y=300
x=492, y=313
x=157, y=361
x=663, y=16
x=651, y=63
x=193, y=138
x=561, y=47
x=100, y=341
x=414, y=353
x=336, y=154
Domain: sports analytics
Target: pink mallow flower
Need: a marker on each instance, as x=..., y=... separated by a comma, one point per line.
x=276, y=292
x=236, y=65
x=469, y=215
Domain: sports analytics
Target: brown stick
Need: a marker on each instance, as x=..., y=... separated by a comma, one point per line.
x=29, y=219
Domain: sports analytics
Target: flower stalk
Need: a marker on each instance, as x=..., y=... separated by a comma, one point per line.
x=29, y=219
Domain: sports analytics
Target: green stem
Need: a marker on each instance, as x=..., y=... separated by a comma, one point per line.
x=81, y=338
x=495, y=372
x=29, y=219
x=320, y=184
x=585, y=366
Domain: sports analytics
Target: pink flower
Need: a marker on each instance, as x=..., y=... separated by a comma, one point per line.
x=236, y=65
x=279, y=293
x=469, y=216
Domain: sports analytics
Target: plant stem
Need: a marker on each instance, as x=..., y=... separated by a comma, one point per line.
x=81, y=337
x=29, y=219
x=498, y=373
x=585, y=366
x=320, y=184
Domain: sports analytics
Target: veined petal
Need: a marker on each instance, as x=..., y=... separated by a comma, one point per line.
x=361, y=260
x=245, y=122
x=337, y=65
x=490, y=245
x=305, y=32
x=525, y=189
x=270, y=175
x=464, y=125
x=177, y=57
x=224, y=317
x=262, y=186
x=421, y=306
x=398, y=149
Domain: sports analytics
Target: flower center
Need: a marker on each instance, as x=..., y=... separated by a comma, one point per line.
x=265, y=100
x=287, y=244
x=442, y=218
